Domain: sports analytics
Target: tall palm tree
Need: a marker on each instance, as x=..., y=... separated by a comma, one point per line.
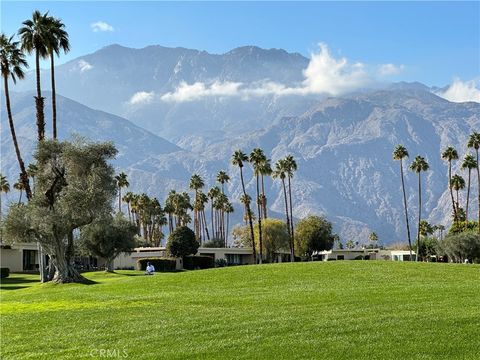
x=35, y=37
x=196, y=184
x=228, y=210
x=222, y=178
x=468, y=163
x=12, y=62
x=32, y=171
x=238, y=158
x=280, y=173
x=450, y=154
x=4, y=188
x=20, y=187
x=58, y=42
x=474, y=142
x=122, y=182
x=291, y=167
x=213, y=193
x=399, y=154
x=127, y=198
x=457, y=183
x=257, y=158
x=418, y=165
x=265, y=170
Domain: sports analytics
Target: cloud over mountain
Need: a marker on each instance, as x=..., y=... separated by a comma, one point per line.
x=462, y=91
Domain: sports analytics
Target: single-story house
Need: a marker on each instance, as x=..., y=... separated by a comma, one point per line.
x=356, y=254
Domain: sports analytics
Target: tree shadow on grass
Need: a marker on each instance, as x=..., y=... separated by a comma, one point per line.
x=15, y=283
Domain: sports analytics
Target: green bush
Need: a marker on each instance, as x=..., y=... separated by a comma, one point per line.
x=359, y=257
x=182, y=242
x=160, y=264
x=198, y=262
x=220, y=263
x=4, y=272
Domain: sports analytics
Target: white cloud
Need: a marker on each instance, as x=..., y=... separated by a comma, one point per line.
x=84, y=66
x=390, y=69
x=101, y=26
x=142, y=98
x=462, y=91
x=186, y=92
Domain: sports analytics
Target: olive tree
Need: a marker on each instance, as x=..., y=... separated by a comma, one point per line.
x=75, y=186
x=313, y=233
x=182, y=242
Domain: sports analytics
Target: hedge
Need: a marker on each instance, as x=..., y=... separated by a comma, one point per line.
x=198, y=262
x=4, y=272
x=160, y=264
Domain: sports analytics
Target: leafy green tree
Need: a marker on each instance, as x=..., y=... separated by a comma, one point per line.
x=450, y=154
x=474, y=142
x=350, y=244
x=313, y=233
x=373, y=237
x=36, y=36
x=399, y=154
x=182, y=242
x=275, y=237
x=107, y=238
x=238, y=159
x=428, y=247
x=75, y=187
x=468, y=163
x=461, y=246
x=418, y=165
x=12, y=62
x=58, y=41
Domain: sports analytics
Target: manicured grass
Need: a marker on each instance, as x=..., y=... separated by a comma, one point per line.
x=333, y=310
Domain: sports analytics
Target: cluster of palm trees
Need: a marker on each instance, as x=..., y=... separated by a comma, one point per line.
x=45, y=36
x=455, y=183
x=284, y=169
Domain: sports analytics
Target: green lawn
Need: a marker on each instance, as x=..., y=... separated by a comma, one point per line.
x=332, y=310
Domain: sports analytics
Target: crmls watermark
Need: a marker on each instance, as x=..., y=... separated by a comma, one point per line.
x=109, y=353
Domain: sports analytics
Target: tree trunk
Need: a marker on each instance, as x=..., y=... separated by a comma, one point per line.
x=264, y=200
x=226, y=237
x=119, y=199
x=249, y=215
x=292, y=255
x=291, y=218
x=259, y=209
x=405, y=205
x=129, y=214
x=468, y=196
x=64, y=272
x=109, y=265
x=419, y=214
x=478, y=183
x=39, y=101
x=23, y=171
x=54, y=100
x=20, y=198
x=455, y=216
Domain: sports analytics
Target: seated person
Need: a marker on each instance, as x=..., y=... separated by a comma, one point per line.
x=150, y=269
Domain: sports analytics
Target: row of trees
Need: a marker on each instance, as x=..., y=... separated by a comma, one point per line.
x=455, y=183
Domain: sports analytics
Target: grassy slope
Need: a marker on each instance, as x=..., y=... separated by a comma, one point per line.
x=334, y=310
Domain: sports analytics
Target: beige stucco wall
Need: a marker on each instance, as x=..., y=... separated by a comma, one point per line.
x=13, y=258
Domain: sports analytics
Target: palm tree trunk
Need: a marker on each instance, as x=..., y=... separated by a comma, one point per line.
x=23, y=171
x=264, y=199
x=226, y=236
x=292, y=234
x=406, y=210
x=20, y=197
x=259, y=209
x=205, y=224
x=455, y=217
x=39, y=101
x=419, y=214
x=292, y=257
x=54, y=100
x=249, y=215
x=128, y=209
x=119, y=199
x=468, y=196
x=213, y=225
x=478, y=183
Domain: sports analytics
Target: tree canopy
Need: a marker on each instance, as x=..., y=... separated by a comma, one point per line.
x=313, y=233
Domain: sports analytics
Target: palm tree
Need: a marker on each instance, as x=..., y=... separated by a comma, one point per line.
x=58, y=41
x=291, y=167
x=257, y=158
x=122, y=182
x=265, y=170
x=468, y=163
x=418, y=165
x=20, y=187
x=213, y=193
x=127, y=198
x=32, y=170
x=450, y=154
x=228, y=210
x=222, y=178
x=12, y=61
x=474, y=142
x=238, y=158
x=457, y=183
x=35, y=37
x=4, y=188
x=280, y=173
x=196, y=184
x=399, y=154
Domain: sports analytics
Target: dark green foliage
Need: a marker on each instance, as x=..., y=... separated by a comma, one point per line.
x=160, y=264
x=198, y=262
x=4, y=272
x=428, y=247
x=214, y=243
x=313, y=233
x=465, y=245
x=221, y=263
x=460, y=226
x=109, y=237
x=182, y=242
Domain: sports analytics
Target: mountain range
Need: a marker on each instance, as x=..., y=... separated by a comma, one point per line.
x=343, y=145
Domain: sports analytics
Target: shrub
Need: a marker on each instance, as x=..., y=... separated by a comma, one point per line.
x=4, y=272
x=214, y=243
x=182, y=242
x=359, y=257
x=198, y=262
x=160, y=264
x=220, y=263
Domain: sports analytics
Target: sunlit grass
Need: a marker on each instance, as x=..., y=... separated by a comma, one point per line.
x=334, y=310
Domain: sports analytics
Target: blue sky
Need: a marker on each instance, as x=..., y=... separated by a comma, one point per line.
x=434, y=41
